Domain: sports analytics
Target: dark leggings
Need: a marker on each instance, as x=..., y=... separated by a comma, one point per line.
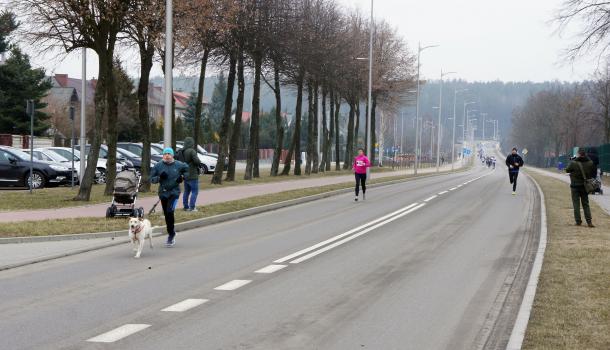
x=169, y=206
x=513, y=178
x=360, y=179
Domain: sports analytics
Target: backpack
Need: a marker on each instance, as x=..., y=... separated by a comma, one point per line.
x=180, y=156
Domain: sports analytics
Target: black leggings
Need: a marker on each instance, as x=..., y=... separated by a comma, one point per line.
x=512, y=175
x=169, y=206
x=360, y=179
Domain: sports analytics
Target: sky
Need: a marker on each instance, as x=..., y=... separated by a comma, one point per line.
x=480, y=40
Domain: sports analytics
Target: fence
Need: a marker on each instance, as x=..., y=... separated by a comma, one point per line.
x=604, y=157
x=23, y=141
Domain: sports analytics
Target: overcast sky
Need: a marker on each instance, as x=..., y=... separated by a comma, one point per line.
x=481, y=40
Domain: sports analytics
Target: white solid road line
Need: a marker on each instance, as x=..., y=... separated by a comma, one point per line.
x=185, y=305
x=233, y=285
x=452, y=188
x=335, y=238
x=442, y=193
x=118, y=333
x=270, y=269
x=345, y=240
x=430, y=198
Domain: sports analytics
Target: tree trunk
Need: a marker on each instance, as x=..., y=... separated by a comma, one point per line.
x=252, y=164
x=309, y=148
x=324, y=133
x=349, y=153
x=279, y=125
x=112, y=112
x=236, y=132
x=84, y=192
x=315, y=148
x=199, y=102
x=147, y=52
x=226, y=119
x=331, y=132
x=337, y=103
x=296, y=136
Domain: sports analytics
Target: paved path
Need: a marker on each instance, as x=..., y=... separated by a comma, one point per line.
x=206, y=196
x=424, y=264
x=602, y=200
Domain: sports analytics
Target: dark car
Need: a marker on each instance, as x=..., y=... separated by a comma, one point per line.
x=137, y=148
x=15, y=170
x=104, y=155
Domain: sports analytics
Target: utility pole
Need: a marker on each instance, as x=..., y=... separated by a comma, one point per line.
x=169, y=52
x=418, y=125
x=370, y=94
x=31, y=109
x=440, y=110
x=83, y=119
x=72, y=144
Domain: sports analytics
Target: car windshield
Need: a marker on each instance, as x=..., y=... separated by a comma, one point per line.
x=56, y=157
x=19, y=154
x=126, y=153
x=66, y=154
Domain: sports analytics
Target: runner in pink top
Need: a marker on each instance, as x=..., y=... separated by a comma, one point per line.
x=361, y=162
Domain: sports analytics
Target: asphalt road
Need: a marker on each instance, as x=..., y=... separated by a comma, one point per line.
x=401, y=270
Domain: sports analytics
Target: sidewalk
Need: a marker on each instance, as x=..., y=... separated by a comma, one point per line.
x=602, y=200
x=206, y=196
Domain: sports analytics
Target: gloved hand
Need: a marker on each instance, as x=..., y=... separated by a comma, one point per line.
x=179, y=179
x=163, y=176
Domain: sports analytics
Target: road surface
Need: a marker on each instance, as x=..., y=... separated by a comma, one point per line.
x=425, y=264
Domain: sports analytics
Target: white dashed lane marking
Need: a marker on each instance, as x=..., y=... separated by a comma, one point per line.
x=233, y=285
x=442, y=193
x=430, y=198
x=118, y=333
x=270, y=269
x=185, y=305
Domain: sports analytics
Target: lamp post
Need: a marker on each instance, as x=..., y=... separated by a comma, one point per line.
x=31, y=109
x=83, y=119
x=440, y=110
x=370, y=94
x=418, y=124
x=455, y=93
x=72, y=145
x=483, y=115
x=167, y=112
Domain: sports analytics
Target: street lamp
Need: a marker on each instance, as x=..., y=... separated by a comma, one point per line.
x=483, y=115
x=455, y=93
x=440, y=109
x=418, y=125
x=370, y=100
x=167, y=112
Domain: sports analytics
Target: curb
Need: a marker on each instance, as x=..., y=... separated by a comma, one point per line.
x=517, y=335
x=188, y=225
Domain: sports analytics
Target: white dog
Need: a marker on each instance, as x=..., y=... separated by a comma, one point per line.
x=139, y=230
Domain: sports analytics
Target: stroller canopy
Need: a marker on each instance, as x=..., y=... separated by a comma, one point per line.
x=126, y=182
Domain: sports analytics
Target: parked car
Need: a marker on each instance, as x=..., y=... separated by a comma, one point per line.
x=49, y=156
x=100, y=175
x=104, y=155
x=137, y=148
x=15, y=170
x=208, y=163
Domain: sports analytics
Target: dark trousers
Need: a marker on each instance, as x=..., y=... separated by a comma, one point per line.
x=169, y=206
x=512, y=176
x=360, y=180
x=580, y=195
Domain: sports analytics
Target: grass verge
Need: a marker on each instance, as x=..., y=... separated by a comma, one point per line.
x=572, y=305
x=80, y=225
x=62, y=197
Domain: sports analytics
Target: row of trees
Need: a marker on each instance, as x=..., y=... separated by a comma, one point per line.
x=555, y=120
x=309, y=46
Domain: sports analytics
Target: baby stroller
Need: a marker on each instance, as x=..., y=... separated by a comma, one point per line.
x=125, y=195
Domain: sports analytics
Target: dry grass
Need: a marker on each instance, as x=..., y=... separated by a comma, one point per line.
x=572, y=305
x=79, y=225
x=62, y=197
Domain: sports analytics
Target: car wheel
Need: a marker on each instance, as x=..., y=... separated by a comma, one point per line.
x=102, y=178
x=108, y=212
x=38, y=180
x=204, y=169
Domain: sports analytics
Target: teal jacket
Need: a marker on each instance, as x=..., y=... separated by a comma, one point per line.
x=168, y=187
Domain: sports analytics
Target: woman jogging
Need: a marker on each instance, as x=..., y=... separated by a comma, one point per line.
x=361, y=162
